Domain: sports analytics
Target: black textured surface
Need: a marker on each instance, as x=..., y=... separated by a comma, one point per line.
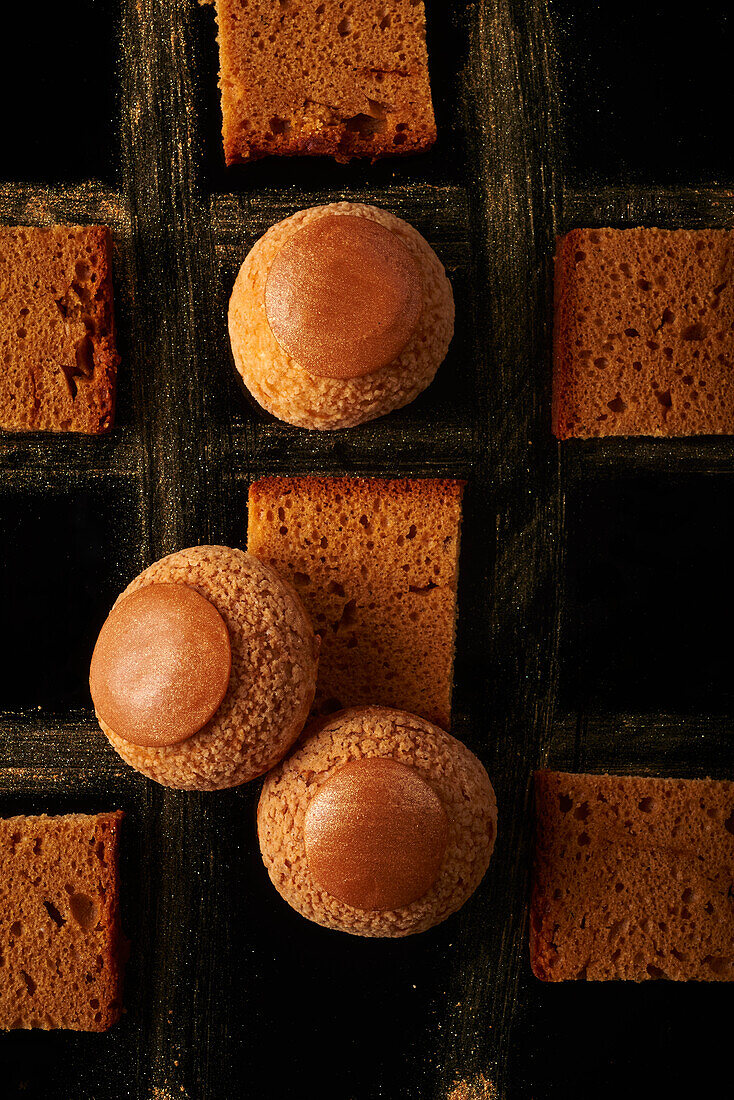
x=650, y=594
x=59, y=77
x=644, y=86
x=229, y=992
x=66, y=552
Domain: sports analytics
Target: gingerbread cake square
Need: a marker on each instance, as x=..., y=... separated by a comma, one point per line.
x=58, y=360
x=633, y=878
x=376, y=564
x=644, y=333
x=61, y=947
x=302, y=77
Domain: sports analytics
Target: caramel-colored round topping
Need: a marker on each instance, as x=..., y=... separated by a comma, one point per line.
x=343, y=296
x=375, y=834
x=161, y=665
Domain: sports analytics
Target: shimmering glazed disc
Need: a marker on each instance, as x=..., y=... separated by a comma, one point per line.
x=375, y=834
x=343, y=296
x=161, y=665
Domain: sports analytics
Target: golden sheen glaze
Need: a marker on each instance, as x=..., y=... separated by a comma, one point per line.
x=161, y=665
x=343, y=296
x=376, y=834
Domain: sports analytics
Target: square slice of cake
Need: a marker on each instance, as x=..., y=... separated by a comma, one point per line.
x=302, y=77
x=644, y=333
x=634, y=878
x=376, y=564
x=61, y=947
x=58, y=361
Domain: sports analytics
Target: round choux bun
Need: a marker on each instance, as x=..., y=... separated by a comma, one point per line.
x=204, y=673
x=378, y=823
x=339, y=314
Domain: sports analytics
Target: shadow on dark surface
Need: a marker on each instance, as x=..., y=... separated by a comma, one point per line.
x=65, y=554
x=649, y=594
x=354, y=1013
x=643, y=91
x=59, y=68
x=603, y=1040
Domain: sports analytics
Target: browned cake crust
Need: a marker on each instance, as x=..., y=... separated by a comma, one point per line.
x=58, y=362
x=302, y=77
x=644, y=333
x=633, y=878
x=376, y=564
x=61, y=947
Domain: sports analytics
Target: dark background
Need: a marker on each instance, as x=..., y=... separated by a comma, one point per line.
x=596, y=595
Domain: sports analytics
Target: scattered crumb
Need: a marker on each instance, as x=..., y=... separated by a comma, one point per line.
x=478, y=1088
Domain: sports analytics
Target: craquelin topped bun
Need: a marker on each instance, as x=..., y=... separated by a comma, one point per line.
x=204, y=673
x=339, y=314
x=378, y=824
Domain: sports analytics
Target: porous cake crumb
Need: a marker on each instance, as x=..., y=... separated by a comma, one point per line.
x=61, y=946
x=644, y=333
x=58, y=361
x=633, y=878
x=375, y=562
x=336, y=78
